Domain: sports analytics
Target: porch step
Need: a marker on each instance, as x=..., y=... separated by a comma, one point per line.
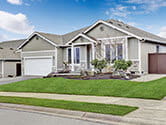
x=68, y=74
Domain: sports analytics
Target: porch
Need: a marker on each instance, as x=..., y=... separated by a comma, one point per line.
x=80, y=54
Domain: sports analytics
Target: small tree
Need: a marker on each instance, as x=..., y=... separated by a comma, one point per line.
x=122, y=65
x=99, y=64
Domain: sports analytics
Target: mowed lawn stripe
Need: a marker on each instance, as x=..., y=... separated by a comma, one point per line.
x=118, y=88
x=71, y=105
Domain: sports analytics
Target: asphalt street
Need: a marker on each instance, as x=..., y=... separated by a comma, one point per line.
x=13, y=117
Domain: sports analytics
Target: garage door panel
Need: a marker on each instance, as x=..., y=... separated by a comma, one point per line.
x=157, y=63
x=162, y=64
x=38, y=66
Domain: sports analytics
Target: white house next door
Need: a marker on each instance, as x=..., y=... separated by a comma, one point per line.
x=38, y=66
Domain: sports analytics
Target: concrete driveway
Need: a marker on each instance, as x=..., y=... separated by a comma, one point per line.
x=16, y=79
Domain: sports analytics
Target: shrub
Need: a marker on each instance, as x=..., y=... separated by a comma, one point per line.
x=122, y=65
x=99, y=64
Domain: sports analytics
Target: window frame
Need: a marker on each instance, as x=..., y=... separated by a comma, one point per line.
x=114, y=51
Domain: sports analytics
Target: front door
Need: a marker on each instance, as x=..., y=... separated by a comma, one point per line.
x=18, y=69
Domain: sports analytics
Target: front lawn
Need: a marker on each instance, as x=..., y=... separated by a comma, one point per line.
x=120, y=88
x=71, y=105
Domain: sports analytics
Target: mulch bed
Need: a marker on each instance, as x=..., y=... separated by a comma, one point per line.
x=100, y=76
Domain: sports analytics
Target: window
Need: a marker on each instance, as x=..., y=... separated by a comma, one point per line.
x=157, y=49
x=76, y=55
x=113, y=52
x=108, y=52
x=120, y=52
x=69, y=55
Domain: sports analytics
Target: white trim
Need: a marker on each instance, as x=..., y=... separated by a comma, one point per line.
x=67, y=54
x=153, y=40
x=39, y=51
x=112, y=38
x=3, y=69
x=139, y=56
x=134, y=59
x=127, y=49
x=80, y=35
x=72, y=58
x=10, y=59
x=117, y=28
x=38, y=57
x=56, y=59
x=85, y=43
x=76, y=54
x=35, y=33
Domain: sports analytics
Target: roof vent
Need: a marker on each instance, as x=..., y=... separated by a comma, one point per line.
x=111, y=22
x=1, y=48
x=11, y=48
x=119, y=24
x=37, y=37
x=102, y=28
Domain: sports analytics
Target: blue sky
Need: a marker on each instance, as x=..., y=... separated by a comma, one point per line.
x=19, y=18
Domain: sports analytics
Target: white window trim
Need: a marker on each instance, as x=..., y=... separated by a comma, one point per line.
x=39, y=51
x=75, y=56
x=123, y=57
x=67, y=55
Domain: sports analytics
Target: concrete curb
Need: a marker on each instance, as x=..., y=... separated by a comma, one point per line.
x=93, y=117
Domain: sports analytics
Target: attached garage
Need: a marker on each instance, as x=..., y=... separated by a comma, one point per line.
x=38, y=66
x=157, y=63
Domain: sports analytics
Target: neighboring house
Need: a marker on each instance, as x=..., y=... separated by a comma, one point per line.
x=10, y=61
x=43, y=53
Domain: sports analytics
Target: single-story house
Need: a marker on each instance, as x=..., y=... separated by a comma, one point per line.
x=42, y=53
x=10, y=61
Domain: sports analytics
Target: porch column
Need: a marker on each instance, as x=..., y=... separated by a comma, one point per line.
x=93, y=54
x=72, y=58
x=127, y=49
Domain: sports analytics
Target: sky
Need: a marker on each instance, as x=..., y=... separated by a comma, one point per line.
x=20, y=18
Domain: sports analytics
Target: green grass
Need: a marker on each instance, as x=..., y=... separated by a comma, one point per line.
x=119, y=88
x=71, y=105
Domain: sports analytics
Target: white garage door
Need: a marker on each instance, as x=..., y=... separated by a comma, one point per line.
x=38, y=66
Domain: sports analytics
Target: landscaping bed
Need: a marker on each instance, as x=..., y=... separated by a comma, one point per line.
x=99, y=76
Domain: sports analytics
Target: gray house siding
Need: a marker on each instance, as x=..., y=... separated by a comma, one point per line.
x=0, y=69
x=146, y=48
x=81, y=40
x=60, y=59
x=133, y=48
x=10, y=68
x=103, y=31
x=37, y=44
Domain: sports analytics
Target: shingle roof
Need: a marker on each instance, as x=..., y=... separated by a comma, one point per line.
x=8, y=48
x=57, y=39
x=62, y=39
x=136, y=31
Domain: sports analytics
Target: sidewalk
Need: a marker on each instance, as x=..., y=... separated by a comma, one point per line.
x=149, y=77
x=152, y=111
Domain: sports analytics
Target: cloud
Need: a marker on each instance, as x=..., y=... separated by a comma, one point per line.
x=132, y=23
x=16, y=2
x=16, y=23
x=120, y=11
x=3, y=37
x=163, y=32
x=133, y=7
x=149, y=5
